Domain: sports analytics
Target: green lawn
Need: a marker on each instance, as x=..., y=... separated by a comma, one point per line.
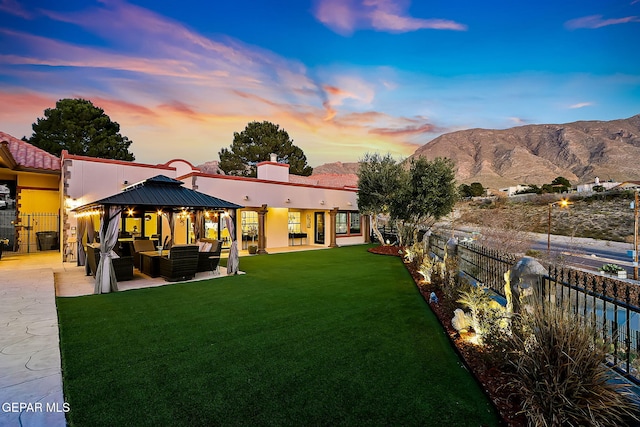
x=328, y=337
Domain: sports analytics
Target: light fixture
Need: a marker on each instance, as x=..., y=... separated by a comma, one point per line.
x=288, y=201
x=322, y=202
x=130, y=211
x=246, y=197
x=349, y=204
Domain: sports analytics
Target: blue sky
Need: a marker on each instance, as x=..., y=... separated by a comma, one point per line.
x=343, y=77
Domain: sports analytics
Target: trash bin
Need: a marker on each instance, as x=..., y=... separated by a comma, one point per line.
x=47, y=240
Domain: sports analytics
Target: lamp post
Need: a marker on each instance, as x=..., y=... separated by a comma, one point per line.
x=563, y=204
x=635, y=236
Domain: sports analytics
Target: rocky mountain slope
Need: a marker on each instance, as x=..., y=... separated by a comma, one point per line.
x=536, y=154
x=336, y=168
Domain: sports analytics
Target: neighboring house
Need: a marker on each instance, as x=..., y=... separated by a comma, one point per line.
x=588, y=187
x=512, y=191
x=627, y=185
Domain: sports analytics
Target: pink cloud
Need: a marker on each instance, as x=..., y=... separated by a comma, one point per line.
x=346, y=16
x=406, y=131
x=597, y=21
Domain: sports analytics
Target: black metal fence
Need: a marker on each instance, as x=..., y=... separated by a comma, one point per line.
x=612, y=305
x=37, y=231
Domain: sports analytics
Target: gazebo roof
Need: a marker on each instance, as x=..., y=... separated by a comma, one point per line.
x=161, y=192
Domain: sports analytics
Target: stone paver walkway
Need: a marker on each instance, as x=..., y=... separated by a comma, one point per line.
x=30, y=374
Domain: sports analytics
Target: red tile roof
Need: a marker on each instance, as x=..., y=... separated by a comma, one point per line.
x=27, y=156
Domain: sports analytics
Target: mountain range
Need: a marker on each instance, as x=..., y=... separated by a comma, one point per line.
x=536, y=154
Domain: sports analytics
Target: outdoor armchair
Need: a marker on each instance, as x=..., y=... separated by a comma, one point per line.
x=141, y=246
x=207, y=259
x=122, y=266
x=181, y=264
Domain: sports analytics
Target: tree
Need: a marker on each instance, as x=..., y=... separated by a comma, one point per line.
x=379, y=180
x=255, y=144
x=464, y=191
x=477, y=189
x=428, y=194
x=79, y=127
x=562, y=184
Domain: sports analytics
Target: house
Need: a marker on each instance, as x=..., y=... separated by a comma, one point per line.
x=33, y=178
x=588, y=187
x=279, y=209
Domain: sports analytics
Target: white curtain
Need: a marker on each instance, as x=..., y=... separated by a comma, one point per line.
x=105, y=276
x=233, y=261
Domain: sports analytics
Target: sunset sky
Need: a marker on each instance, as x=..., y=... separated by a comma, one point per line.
x=342, y=77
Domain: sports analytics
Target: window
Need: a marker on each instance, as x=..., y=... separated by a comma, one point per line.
x=341, y=222
x=348, y=224
x=294, y=222
x=354, y=223
x=249, y=225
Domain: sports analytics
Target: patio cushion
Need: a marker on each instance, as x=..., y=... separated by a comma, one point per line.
x=205, y=263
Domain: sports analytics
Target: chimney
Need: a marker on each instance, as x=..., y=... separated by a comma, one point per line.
x=272, y=170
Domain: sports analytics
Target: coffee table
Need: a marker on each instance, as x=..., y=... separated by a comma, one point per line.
x=149, y=262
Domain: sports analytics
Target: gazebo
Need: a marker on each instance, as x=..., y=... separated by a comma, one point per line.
x=163, y=195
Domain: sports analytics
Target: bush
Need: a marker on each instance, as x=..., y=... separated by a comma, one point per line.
x=560, y=371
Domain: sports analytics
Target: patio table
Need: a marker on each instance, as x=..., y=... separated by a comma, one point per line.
x=149, y=263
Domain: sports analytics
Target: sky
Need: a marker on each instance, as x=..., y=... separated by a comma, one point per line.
x=342, y=77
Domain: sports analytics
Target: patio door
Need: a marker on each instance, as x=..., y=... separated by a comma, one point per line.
x=319, y=227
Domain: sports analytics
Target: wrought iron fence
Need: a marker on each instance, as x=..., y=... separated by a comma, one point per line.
x=37, y=231
x=612, y=305
x=485, y=265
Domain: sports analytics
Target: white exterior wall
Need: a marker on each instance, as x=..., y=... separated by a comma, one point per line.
x=274, y=194
x=279, y=198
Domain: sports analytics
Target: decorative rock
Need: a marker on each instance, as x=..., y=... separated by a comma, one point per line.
x=460, y=320
x=525, y=280
x=433, y=298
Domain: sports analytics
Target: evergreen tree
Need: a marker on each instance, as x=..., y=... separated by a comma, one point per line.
x=79, y=127
x=255, y=144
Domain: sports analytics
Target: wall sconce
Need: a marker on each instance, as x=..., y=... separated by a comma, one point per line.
x=349, y=204
x=288, y=201
x=246, y=197
x=322, y=202
x=71, y=203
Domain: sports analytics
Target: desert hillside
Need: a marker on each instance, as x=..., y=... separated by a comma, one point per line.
x=536, y=154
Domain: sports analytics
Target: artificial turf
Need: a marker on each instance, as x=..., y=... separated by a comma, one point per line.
x=325, y=337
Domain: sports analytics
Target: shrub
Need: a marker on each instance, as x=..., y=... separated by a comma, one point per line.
x=560, y=372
